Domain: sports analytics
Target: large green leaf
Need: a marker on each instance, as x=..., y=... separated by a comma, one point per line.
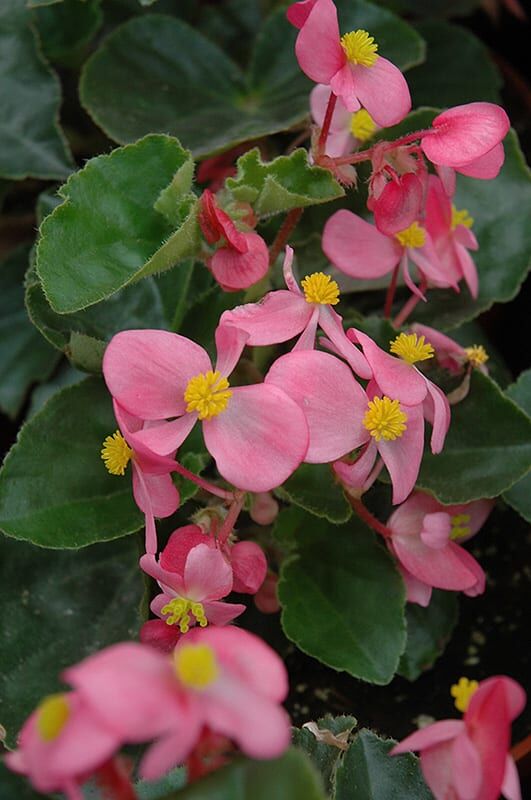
x=31, y=142
x=432, y=8
x=313, y=488
x=487, y=449
x=107, y=232
x=14, y=787
x=291, y=776
x=428, y=631
x=54, y=488
x=59, y=608
x=367, y=772
x=66, y=30
x=25, y=358
x=343, y=600
x=519, y=495
x=324, y=752
x=156, y=73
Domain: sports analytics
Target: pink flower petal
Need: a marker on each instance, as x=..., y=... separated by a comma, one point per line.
x=437, y=768
x=399, y=204
x=234, y=270
x=416, y=591
x=207, y=575
x=497, y=691
x=298, y=13
x=220, y=613
x=465, y=133
x=164, y=439
x=167, y=579
x=259, y=440
x=511, y=781
x=279, y=316
x=317, y=48
x=448, y=353
x=357, y=248
x=429, y=264
x=306, y=340
x=249, y=566
x=438, y=209
x=436, y=530
x=355, y=474
x=343, y=85
x=468, y=270
x=174, y=555
x=383, y=91
x=157, y=634
x=402, y=456
x=437, y=411
x=430, y=736
x=319, y=97
x=441, y=568
x=485, y=167
x=332, y=324
x=230, y=341
x=156, y=493
x=173, y=749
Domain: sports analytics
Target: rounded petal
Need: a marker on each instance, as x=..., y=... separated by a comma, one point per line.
x=174, y=555
x=332, y=324
x=230, y=341
x=504, y=691
x=332, y=401
x=259, y=440
x=164, y=438
x=442, y=568
x=485, y=167
x=298, y=13
x=402, y=456
x=171, y=582
x=357, y=248
x=234, y=270
x=249, y=566
x=437, y=768
x=383, y=91
x=279, y=316
x=319, y=97
x=220, y=613
x=449, y=354
x=344, y=87
x=147, y=371
x=317, y=48
x=465, y=133
x=207, y=575
x=430, y=736
x=356, y=473
x=172, y=750
x=437, y=411
x=156, y=494
x=399, y=204
x=436, y=530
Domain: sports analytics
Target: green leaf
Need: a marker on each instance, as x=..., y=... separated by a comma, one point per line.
x=156, y=73
x=158, y=790
x=458, y=68
x=14, y=787
x=66, y=30
x=31, y=142
x=291, y=776
x=428, y=632
x=282, y=184
x=59, y=608
x=432, y=8
x=107, y=232
x=54, y=488
x=343, y=600
x=487, y=449
x=519, y=495
x=325, y=755
x=65, y=375
x=367, y=772
x=25, y=358
x=313, y=488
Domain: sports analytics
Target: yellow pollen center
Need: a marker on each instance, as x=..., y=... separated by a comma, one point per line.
x=461, y=217
x=195, y=665
x=320, y=288
x=462, y=692
x=459, y=526
x=116, y=453
x=360, y=48
x=52, y=715
x=179, y=610
x=362, y=125
x=385, y=419
x=414, y=236
x=476, y=355
x=411, y=348
x=207, y=393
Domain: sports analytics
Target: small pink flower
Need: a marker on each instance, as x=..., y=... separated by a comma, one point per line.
x=469, y=759
x=351, y=66
x=450, y=354
x=347, y=130
x=223, y=678
x=281, y=315
x=264, y=508
x=426, y=539
x=242, y=259
x=257, y=434
x=62, y=743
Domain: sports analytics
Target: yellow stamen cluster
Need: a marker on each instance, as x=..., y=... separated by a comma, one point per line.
x=207, y=393
x=52, y=715
x=476, y=355
x=461, y=217
x=116, y=453
x=320, y=288
x=360, y=48
x=462, y=692
x=385, y=419
x=414, y=236
x=411, y=348
x=459, y=526
x=179, y=610
x=195, y=665
x=362, y=125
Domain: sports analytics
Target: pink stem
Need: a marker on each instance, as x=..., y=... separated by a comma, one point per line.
x=363, y=513
x=323, y=136
x=391, y=293
x=287, y=227
x=208, y=487
x=230, y=520
x=410, y=305
x=366, y=155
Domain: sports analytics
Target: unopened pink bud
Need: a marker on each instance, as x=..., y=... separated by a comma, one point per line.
x=264, y=508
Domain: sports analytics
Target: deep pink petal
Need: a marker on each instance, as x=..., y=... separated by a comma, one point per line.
x=465, y=133
x=485, y=167
x=279, y=316
x=249, y=566
x=259, y=440
x=298, y=13
x=402, y=456
x=357, y=248
x=383, y=91
x=448, y=178
x=147, y=371
x=317, y=48
x=438, y=221
x=174, y=555
x=430, y=736
x=449, y=354
x=468, y=270
x=332, y=324
x=230, y=341
x=399, y=204
x=157, y=634
x=234, y=270
x=207, y=575
x=501, y=691
x=467, y=770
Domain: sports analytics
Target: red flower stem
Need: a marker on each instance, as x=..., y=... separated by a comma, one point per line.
x=208, y=487
x=391, y=293
x=230, y=520
x=323, y=136
x=287, y=227
x=113, y=778
x=410, y=305
x=366, y=155
x=363, y=513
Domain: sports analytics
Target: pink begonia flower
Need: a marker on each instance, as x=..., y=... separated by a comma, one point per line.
x=469, y=759
x=350, y=65
x=399, y=203
x=62, y=743
x=451, y=234
x=153, y=489
x=242, y=259
x=281, y=315
x=358, y=249
x=332, y=400
x=426, y=540
x=450, y=354
x=257, y=435
x=347, y=130
x=224, y=678
x=298, y=13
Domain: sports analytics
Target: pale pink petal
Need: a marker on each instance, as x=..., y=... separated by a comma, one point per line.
x=478, y=511
x=264, y=508
x=259, y=440
x=279, y=316
x=511, y=781
x=333, y=402
x=161, y=491
x=437, y=411
x=416, y=591
x=249, y=566
x=357, y=248
x=471, y=564
x=485, y=167
x=319, y=97
x=234, y=270
x=172, y=750
x=468, y=270
x=448, y=353
x=163, y=439
x=298, y=13
x=408, y=280
x=430, y=736
x=436, y=530
x=306, y=340
x=143, y=501
x=287, y=271
x=441, y=568
x=332, y=324
x=207, y=575
x=407, y=519
x=147, y=371
x=383, y=91
x=437, y=768
x=465, y=236
x=170, y=580
x=355, y=474
x=174, y=555
x=221, y=613
x=402, y=456
x=230, y=341
x=465, y=133
x=399, y=204
x=343, y=85
x=317, y=48
x=448, y=178
x=429, y=264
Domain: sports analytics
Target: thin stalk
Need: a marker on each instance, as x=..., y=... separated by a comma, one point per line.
x=230, y=520
x=366, y=155
x=364, y=514
x=390, y=296
x=206, y=485
x=410, y=305
x=287, y=227
x=323, y=136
